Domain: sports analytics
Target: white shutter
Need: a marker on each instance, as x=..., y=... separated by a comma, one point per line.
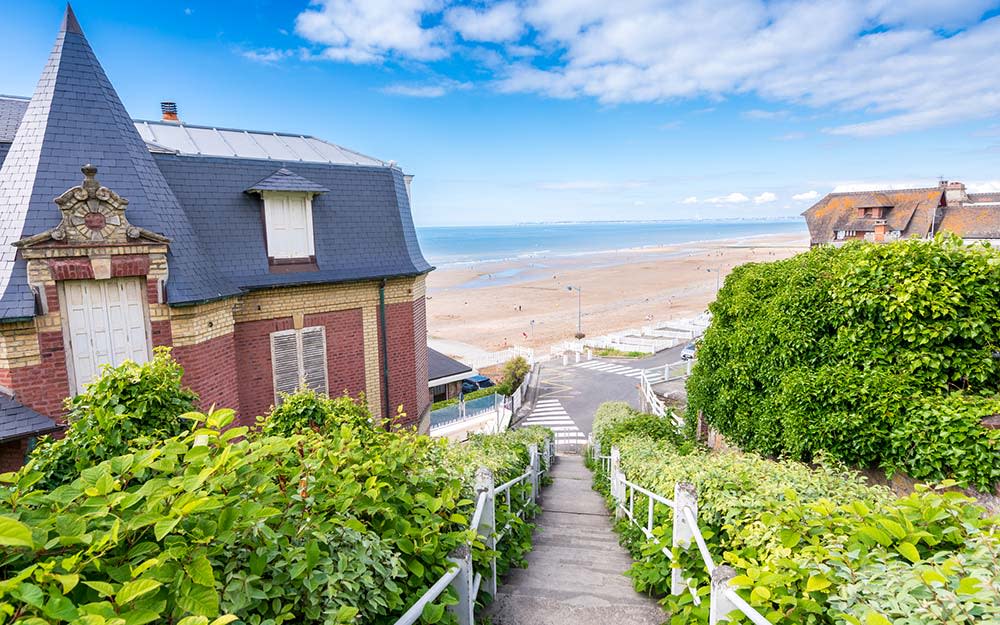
x=285, y=362
x=314, y=358
x=105, y=324
x=289, y=225
x=298, y=358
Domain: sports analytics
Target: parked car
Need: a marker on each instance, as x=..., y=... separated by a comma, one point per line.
x=475, y=383
x=690, y=351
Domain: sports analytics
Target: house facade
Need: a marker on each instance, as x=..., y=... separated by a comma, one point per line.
x=445, y=375
x=266, y=261
x=883, y=216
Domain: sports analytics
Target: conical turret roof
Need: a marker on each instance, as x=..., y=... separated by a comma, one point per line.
x=75, y=117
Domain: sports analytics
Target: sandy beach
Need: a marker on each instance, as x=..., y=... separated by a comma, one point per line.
x=526, y=302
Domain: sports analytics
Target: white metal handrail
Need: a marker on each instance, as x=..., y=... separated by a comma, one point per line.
x=461, y=575
x=652, y=403
x=724, y=600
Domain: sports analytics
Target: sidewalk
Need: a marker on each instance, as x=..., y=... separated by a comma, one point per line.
x=575, y=573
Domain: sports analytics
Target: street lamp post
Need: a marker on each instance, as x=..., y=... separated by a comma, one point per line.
x=579, y=307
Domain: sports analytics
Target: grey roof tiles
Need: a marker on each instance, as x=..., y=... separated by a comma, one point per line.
x=441, y=366
x=18, y=421
x=285, y=180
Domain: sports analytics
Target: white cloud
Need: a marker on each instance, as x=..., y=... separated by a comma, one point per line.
x=501, y=22
x=791, y=136
x=808, y=195
x=266, y=55
x=765, y=198
x=990, y=186
x=690, y=200
x=364, y=31
x=430, y=90
x=886, y=62
x=732, y=198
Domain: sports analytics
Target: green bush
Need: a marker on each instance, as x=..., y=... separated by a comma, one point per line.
x=483, y=392
x=123, y=410
x=308, y=410
x=851, y=350
x=616, y=420
x=317, y=517
x=814, y=545
x=515, y=371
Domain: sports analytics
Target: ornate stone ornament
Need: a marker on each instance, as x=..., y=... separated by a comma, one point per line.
x=92, y=215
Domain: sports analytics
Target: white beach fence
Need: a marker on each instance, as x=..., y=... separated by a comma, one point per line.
x=649, y=339
x=723, y=599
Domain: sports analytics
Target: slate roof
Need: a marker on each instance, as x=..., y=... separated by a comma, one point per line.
x=363, y=226
x=18, y=421
x=285, y=180
x=972, y=221
x=75, y=117
x=12, y=109
x=441, y=366
x=912, y=212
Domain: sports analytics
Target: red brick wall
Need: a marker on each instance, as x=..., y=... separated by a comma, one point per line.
x=344, y=352
x=407, y=328
x=209, y=371
x=42, y=387
x=12, y=454
x=345, y=349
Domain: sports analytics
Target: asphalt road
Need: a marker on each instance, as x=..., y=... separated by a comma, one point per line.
x=581, y=388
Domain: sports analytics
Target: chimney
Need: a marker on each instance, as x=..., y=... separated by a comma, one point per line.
x=954, y=193
x=881, y=229
x=407, y=178
x=169, y=110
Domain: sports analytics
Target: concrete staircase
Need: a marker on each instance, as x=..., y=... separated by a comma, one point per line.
x=575, y=573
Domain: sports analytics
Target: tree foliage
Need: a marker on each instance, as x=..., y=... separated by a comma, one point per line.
x=123, y=410
x=876, y=354
x=811, y=545
x=316, y=517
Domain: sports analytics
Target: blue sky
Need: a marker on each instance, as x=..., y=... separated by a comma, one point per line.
x=548, y=110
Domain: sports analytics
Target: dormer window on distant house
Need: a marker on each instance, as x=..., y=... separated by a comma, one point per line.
x=288, y=220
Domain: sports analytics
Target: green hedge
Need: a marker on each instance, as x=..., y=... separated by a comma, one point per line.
x=815, y=545
x=879, y=355
x=317, y=516
x=483, y=392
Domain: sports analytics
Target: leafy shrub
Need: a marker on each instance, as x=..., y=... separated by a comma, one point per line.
x=123, y=410
x=515, y=371
x=306, y=409
x=319, y=517
x=849, y=350
x=804, y=540
x=616, y=420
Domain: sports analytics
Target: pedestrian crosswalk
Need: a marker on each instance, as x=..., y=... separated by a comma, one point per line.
x=551, y=414
x=610, y=367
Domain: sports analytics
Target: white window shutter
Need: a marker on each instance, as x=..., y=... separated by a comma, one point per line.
x=285, y=362
x=288, y=219
x=314, y=359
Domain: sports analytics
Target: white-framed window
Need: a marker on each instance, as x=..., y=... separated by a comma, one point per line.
x=104, y=323
x=298, y=358
x=289, y=225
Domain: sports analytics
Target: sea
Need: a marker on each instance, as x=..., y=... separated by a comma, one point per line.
x=458, y=245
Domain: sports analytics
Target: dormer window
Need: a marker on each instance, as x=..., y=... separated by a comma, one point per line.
x=288, y=220
x=289, y=225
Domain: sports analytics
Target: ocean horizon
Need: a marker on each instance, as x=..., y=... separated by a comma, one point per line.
x=452, y=245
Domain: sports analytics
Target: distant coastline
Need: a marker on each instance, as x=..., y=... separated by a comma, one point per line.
x=456, y=246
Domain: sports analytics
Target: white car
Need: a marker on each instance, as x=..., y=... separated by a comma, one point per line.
x=689, y=351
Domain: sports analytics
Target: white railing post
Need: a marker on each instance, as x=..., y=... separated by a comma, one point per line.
x=590, y=354
x=616, y=481
x=488, y=521
x=533, y=456
x=565, y=360
x=720, y=606
x=685, y=497
x=462, y=584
